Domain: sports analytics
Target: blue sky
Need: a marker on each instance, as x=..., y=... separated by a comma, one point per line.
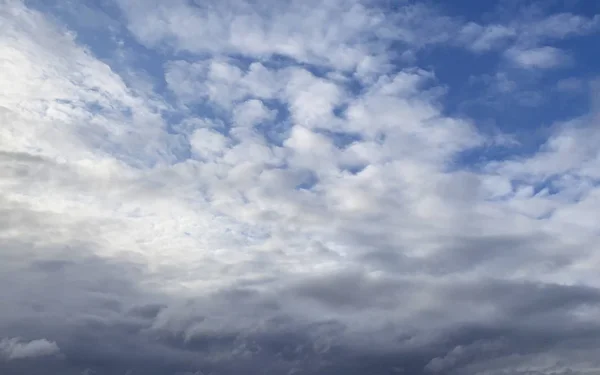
x=299, y=187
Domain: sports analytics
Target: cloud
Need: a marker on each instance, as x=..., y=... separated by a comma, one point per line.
x=538, y=58
x=291, y=195
x=531, y=25
x=15, y=348
x=484, y=38
x=562, y=25
x=259, y=30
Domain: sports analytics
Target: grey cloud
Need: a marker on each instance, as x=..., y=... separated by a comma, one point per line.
x=88, y=307
x=16, y=348
x=113, y=338
x=352, y=290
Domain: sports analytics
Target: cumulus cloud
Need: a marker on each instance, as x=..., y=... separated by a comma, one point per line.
x=291, y=194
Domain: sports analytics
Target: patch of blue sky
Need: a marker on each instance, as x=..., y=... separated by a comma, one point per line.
x=547, y=186
x=482, y=87
x=276, y=130
x=340, y=139
x=353, y=169
x=524, y=103
x=527, y=114
x=308, y=181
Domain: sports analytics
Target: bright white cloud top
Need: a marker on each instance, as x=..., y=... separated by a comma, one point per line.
x=298, y=187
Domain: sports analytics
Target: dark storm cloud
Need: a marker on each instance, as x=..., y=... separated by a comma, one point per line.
x=103, y=325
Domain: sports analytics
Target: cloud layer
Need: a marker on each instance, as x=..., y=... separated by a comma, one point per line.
x=192, y=187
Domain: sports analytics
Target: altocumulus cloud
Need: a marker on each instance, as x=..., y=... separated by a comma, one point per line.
x=299, y=187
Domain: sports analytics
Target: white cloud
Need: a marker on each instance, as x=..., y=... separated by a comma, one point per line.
x=484, y=38
x=208, y=144
x=252, y=112
x=15, y=348
x=562, y=25
x=312, y=99
x=298, y=30
x=538, y=58
x=220, y=82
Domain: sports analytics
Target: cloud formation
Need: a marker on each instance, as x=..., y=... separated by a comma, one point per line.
x=218, y=187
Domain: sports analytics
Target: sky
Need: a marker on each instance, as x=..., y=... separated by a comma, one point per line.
x=357, y=187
